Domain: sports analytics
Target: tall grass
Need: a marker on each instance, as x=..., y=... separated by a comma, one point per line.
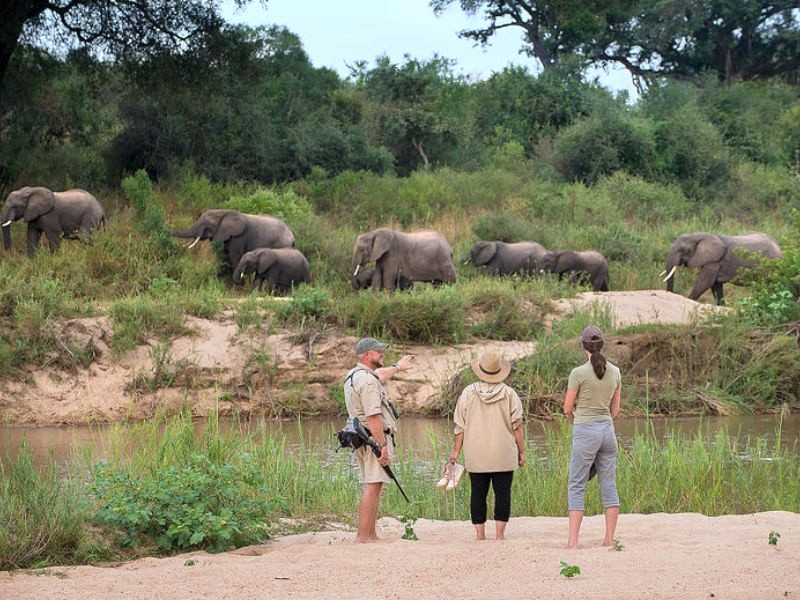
x=45, y=515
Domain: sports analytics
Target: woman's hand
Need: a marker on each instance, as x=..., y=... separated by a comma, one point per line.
x=454, y=456
x=521, y=458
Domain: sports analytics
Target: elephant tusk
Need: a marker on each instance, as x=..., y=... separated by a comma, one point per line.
x=662, y=273
x=671, y=273
x=356, y=271
x=7, y=223
x=194, y=243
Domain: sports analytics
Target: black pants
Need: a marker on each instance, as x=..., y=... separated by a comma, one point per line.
x=501, y=483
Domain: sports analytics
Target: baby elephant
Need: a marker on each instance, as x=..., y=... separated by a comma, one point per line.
x=588, y=264
x=363, y=281
x=281, y=267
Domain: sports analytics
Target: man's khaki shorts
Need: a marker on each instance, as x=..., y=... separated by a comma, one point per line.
x=370, y=467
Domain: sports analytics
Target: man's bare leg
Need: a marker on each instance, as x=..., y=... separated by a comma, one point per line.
x=368, y=511
x=500, y=529
x=612, y=514
x=575, y=518
x=373, y=535
x=480, y=530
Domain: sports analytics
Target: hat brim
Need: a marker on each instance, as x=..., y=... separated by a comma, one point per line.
x=505, y=369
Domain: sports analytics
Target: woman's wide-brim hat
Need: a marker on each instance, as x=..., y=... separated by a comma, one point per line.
x=491, y=367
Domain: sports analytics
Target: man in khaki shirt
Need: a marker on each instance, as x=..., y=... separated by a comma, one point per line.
x=367, y=399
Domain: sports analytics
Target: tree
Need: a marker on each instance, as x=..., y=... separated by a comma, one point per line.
x=122, y=28
x=681, y=39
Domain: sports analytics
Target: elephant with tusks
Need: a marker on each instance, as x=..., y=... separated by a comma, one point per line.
x=71, y=214
x=423, y=256
x=720, y=259
x=238, y=233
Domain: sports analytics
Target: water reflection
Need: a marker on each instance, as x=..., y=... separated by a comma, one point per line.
x=424, y=435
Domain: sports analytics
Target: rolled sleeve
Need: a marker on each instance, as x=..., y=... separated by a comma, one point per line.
x=517, y=416
x=370, y=396
x=460, y=413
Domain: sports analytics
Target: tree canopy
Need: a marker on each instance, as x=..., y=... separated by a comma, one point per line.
x=681, y=39
x=120, y=28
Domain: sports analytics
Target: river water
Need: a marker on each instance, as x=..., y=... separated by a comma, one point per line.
x=422, y=434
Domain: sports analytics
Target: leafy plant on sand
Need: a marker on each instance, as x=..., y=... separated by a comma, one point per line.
x=569, y=571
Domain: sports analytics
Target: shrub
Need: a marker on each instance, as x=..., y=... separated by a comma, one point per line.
x=306, y=302
x=603, y=144
x=136, y=318
x=201, y=504
x=503, y=226
x=649, y=202
x=284, y=204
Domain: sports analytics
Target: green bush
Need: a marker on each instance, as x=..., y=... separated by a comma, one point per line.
x=649, y=202
x=200, y=505
x=284, y=204
x=149, y=210
x=137, y=317
x=503, y=226
x=603, y=144
x=306, y=302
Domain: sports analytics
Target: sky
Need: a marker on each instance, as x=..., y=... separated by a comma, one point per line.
x=337, y=33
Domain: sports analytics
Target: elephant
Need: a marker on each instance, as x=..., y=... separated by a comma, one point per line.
x=588, y=263
x=281, y=267
x=239, y=233
x=501, y=258
x=70, y=214
x=364, y=280
x=422, y=255
x=716, y=257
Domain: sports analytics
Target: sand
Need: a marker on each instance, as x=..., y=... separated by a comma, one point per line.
x=664, y=556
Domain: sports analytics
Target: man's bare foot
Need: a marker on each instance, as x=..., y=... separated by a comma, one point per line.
x=572, y=546
x=607, y=544
x=481, y=538
x=500, y=538
x=360, y=540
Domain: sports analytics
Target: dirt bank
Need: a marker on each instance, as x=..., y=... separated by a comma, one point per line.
x=283, y=373
x=664, y=556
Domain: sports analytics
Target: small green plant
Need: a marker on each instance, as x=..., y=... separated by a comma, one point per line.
x=190, y=563
x=774, y=536
x=616, y=546
x=202, y=504
x=569, y=571
x=306, y=302
x=408, y=527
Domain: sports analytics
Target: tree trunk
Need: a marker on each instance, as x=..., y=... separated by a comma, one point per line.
x=15, y=14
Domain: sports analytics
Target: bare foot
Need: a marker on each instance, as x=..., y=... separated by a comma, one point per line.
x=572, y=546
x=607, y=544
x=359, y=540
x=481, y=538
x=500, y=538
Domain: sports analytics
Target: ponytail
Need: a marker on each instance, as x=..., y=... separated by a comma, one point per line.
x=597, y=359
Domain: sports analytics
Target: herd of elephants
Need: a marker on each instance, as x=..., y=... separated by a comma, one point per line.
x=264, y=245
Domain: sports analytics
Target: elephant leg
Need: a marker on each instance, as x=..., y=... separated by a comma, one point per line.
x=53, y=239
x=377, y=280
x=705, y=279
x=389, y=279
x=34, y=235
x=716, y=289
x=273, y=279
x=258, y=282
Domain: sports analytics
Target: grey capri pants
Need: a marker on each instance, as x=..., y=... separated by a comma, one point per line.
x=593, y=442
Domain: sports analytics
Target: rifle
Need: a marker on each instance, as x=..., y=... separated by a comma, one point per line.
x=366, y=437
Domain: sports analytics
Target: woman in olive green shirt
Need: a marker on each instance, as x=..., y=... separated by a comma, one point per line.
x=592, y=402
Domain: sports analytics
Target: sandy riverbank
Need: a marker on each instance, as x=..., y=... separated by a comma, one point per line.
x=664, y=556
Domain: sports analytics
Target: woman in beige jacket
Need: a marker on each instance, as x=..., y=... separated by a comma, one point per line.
x=488, y=426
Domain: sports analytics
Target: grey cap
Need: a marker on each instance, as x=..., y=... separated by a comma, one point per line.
x=591, y=334
x=367, y=344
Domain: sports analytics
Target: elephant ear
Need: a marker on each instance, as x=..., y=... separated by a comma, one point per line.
x=381, y=243
x=485, y=253
x=709, y=249
x=265, y=261
x=40, y=202
x=230, y=225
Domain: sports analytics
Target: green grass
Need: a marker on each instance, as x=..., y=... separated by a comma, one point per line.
x=46, y=514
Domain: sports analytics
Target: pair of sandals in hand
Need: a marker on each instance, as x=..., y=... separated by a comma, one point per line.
x=451, y=476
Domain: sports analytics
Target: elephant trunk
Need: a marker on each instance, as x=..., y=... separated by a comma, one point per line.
x=6, y=220
x=238, y=275
x=672, y=265
x=186, y=233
